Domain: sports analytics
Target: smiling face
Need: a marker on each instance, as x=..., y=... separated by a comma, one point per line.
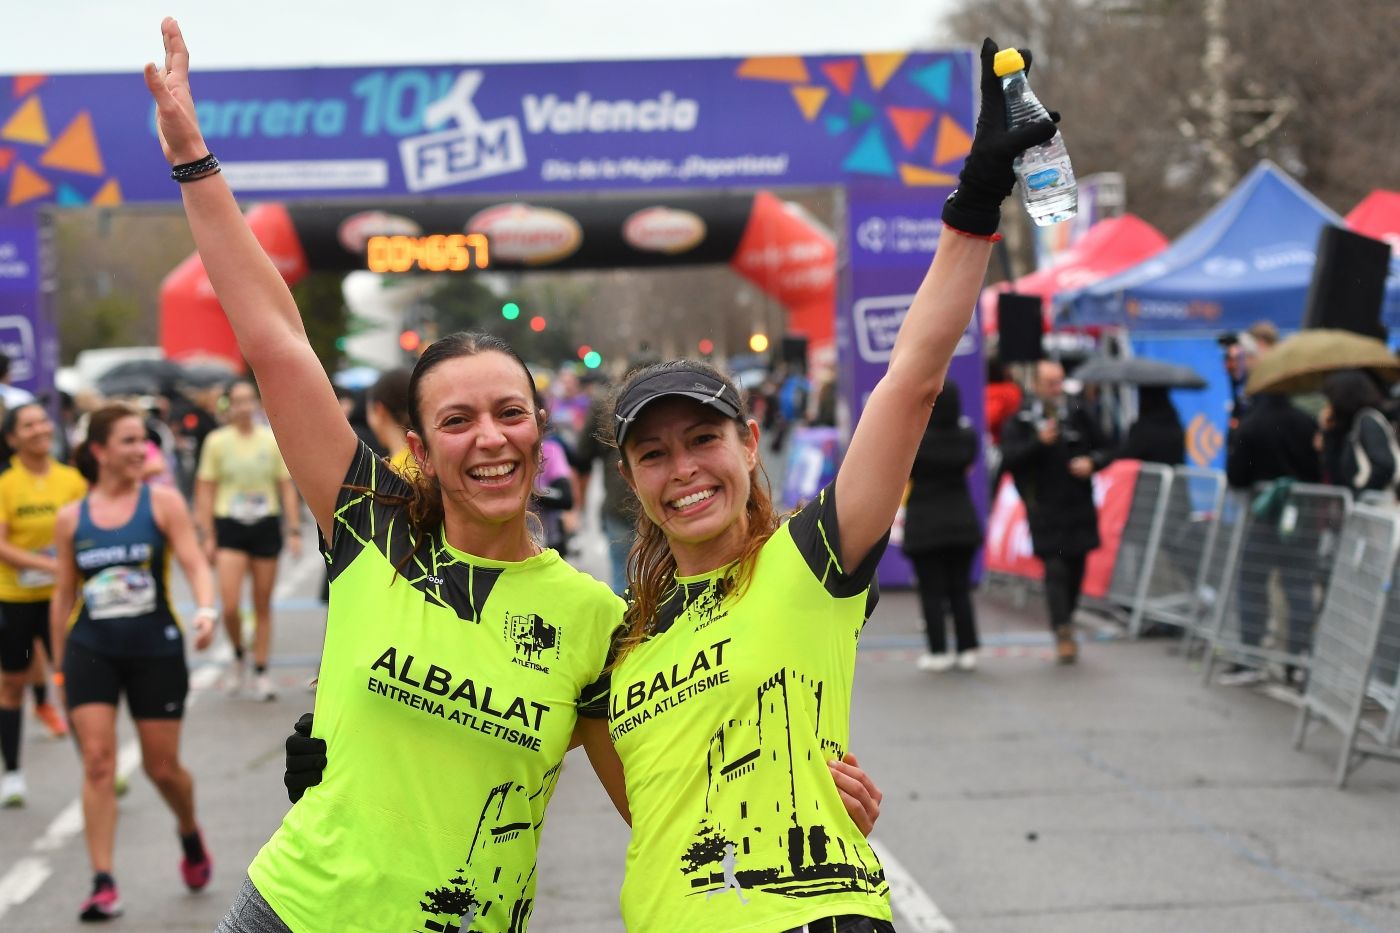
x=33, y=432
x=123, y=455
x=480, y=437
x=691, y=468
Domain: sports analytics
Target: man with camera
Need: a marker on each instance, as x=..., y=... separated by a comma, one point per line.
x=1052, y=447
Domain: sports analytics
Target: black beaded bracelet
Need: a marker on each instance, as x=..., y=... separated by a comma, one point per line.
x=193, y=171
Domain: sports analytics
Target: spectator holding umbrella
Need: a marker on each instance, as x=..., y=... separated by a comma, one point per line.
x=1156, y=436
x=1358, y=444
x=942, y=532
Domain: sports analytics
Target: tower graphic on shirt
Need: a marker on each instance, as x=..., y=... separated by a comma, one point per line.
x=482, y=888
x=783, y=844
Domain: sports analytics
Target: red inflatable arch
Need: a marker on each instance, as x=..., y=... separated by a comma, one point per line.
x=772, y=244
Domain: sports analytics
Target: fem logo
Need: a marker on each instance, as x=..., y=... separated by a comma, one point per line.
x=476, y=148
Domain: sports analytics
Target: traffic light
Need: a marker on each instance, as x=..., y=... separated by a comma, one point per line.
x=537, y=323
x=758, y=343
x=584, y=350
x=592, y=359
x=707, y=346
x=409, y=340
x=341, y=343
x=510, y=310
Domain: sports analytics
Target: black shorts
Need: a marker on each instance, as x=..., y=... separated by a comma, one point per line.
x=847, y=924
x=262, y=538
x=155, y=686
x=20, y=624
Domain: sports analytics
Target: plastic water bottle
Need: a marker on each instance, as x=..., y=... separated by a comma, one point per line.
x=1047, y=178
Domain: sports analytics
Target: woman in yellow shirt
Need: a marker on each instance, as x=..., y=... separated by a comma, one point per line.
x=245, y=504
x=32, y=491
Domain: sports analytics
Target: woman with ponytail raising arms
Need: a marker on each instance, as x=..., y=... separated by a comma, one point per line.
x=732, y=687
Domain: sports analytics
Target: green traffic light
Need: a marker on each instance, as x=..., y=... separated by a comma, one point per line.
x=510, y=311
x=341, y=343
x=592, y=359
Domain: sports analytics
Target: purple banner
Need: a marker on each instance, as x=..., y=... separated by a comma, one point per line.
x=892, y=244
x=27, y=333
x=894, y=120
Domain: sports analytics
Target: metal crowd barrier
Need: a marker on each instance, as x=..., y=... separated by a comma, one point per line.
x=1384, y=686
x=1288, y=540
x=1176, y=580
x=1346, y=637
x=1138, y=546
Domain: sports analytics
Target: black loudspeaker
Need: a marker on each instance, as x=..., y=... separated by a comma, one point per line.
x=1019, y=327
x=1348, y=283
x=794, y=351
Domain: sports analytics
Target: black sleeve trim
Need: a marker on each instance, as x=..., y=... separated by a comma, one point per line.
x=593, y=700
x=817, y=535
x=358, y=518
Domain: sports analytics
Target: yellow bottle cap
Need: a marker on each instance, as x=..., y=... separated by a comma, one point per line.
x=1007, y=61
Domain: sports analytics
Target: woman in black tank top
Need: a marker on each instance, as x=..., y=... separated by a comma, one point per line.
x=115, y=632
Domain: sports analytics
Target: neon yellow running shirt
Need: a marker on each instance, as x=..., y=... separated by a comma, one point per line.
x=724, y=721
x=447, y=697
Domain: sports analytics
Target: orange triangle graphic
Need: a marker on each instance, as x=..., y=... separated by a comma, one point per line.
x=109, y=195
x=27, y=185
x=913, y=176
x=953, y=141
x=6, y=156
x=776, y=68
x=26, y=83
x=810, y=99
x=842, y=74
x=27, y=125
x=881, y=66
x=909, y=123
x=76, y=148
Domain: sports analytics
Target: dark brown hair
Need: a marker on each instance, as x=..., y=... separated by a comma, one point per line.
x=11, y=421
x=391, y=391
x=424, y=506
x=99, y=430
x=651, y=567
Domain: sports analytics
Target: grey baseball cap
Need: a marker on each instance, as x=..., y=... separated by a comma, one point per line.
x=688, y=383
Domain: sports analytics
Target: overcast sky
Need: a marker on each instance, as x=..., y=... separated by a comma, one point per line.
x=54, y=36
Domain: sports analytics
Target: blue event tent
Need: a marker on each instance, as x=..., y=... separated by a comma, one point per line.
x=1250, y=258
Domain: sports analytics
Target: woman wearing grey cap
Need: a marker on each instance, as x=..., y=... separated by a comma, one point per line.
x=732, y=685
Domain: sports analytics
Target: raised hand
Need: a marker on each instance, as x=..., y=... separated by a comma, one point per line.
x=987, y=175
x=177, y=126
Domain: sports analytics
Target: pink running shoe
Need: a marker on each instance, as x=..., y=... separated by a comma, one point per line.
x=197, y=874
x=103, y=904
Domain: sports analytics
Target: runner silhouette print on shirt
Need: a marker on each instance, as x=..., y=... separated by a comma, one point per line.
x=731, y=880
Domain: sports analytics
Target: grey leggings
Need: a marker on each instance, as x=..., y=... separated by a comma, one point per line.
x=251, y=914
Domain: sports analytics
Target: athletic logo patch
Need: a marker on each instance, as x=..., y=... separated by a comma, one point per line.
x=535, y=640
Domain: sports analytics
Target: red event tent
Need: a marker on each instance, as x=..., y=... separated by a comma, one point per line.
x=1109, y=247
x=1378, y=215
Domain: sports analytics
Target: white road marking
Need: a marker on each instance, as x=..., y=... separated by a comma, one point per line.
x=28, y=874
x=297, y=577
x=920, y=913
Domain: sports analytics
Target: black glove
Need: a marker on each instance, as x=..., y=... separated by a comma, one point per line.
x=987, y=176
x=306, y=759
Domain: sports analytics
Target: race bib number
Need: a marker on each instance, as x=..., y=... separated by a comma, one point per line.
x=249, y=507
x=120, y=593
x=33, y=579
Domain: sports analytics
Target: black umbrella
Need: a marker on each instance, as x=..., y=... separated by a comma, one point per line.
x=141, y=377
x=1138, y=371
